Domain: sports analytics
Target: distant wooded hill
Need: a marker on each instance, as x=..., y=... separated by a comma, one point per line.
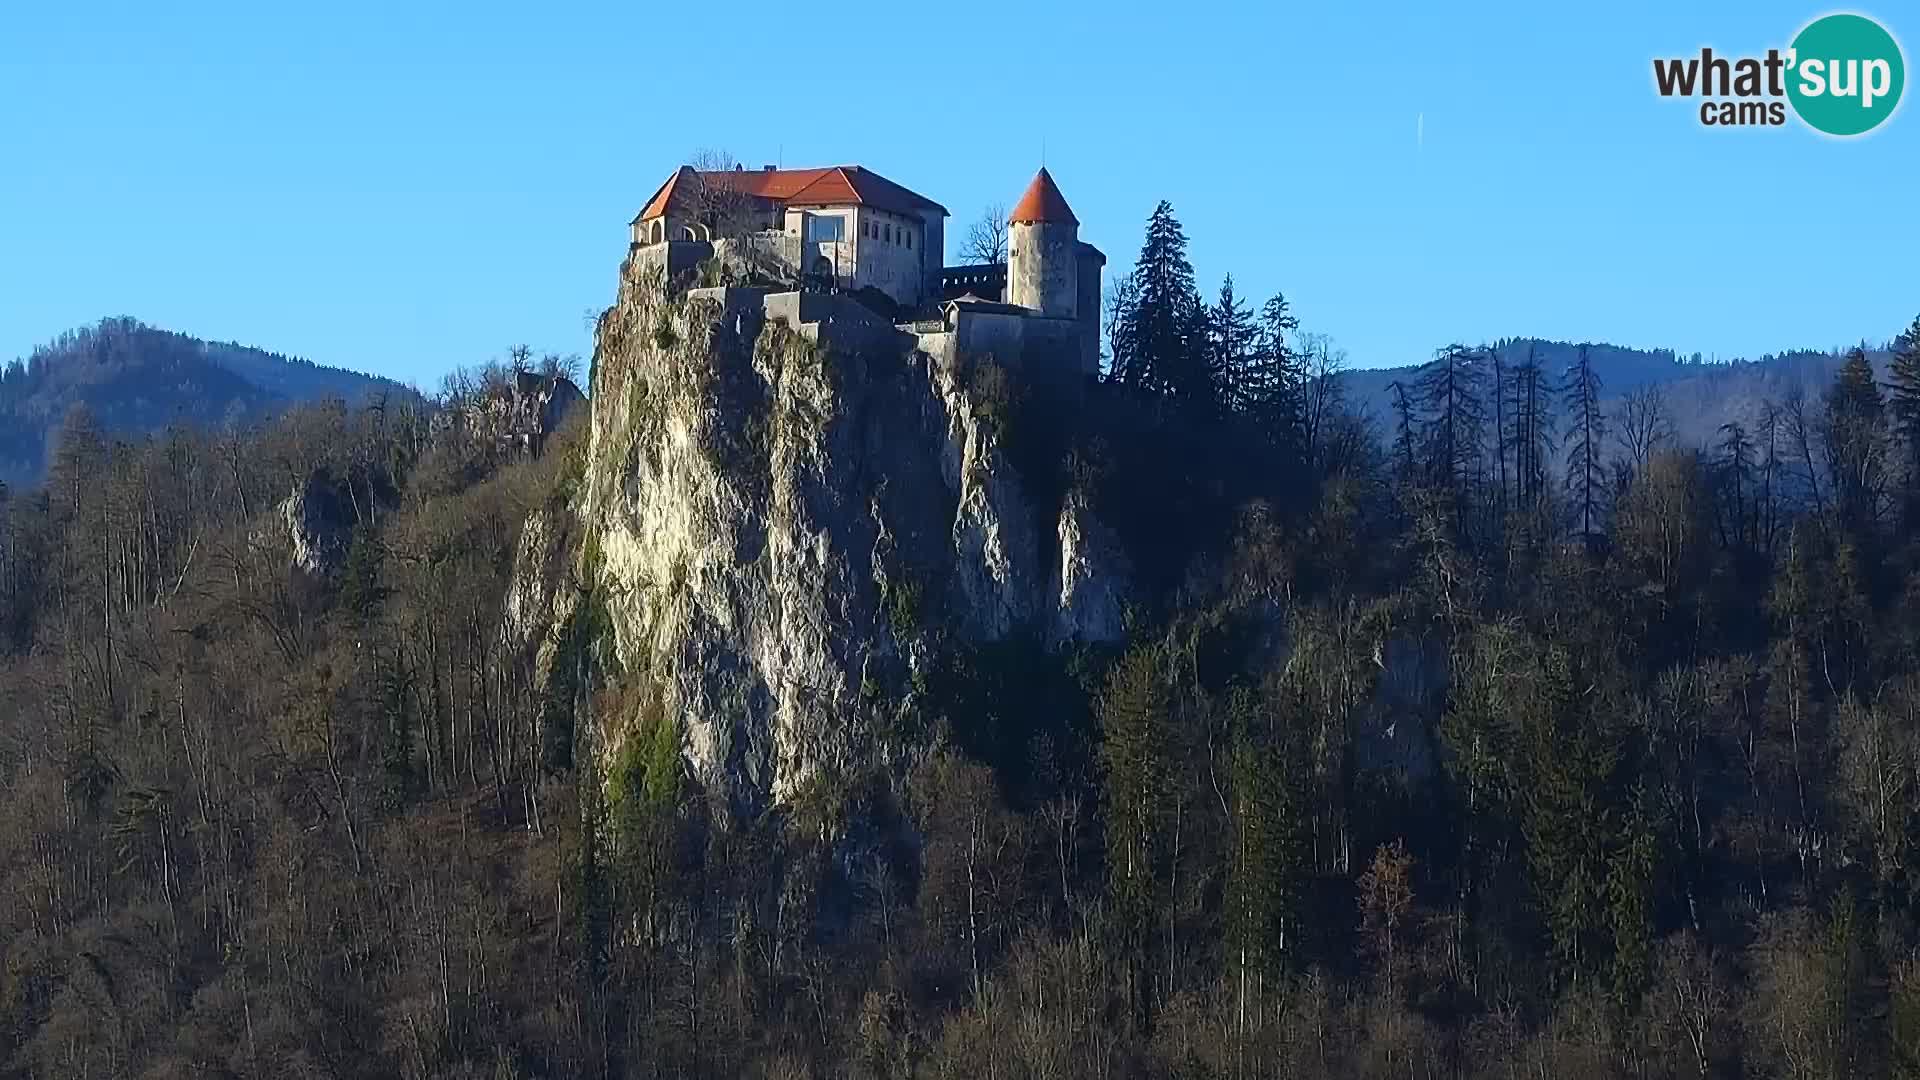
x=1699, y=396
x=137, y=380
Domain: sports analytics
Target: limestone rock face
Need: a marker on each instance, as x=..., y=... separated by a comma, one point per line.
x=319, y=526
x=779, y=521
x=1090, y=585
x=1396, y=730
x=537, y=595
x=516, y=415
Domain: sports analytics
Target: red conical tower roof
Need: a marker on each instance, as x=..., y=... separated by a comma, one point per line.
x=1043, y=202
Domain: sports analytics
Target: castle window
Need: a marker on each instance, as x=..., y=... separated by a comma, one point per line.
x=889, y=234
x=909, y=237
x=826, y=230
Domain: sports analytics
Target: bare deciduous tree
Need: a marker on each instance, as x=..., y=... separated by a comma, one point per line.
x=1386, y=901
x=1323, y=402
x=722, y=202
x=1694, y=1000
x=986, y=242
x=729, y=211
x=1643, y=424
x=1122, y=293
x=1799, y=429
x=556, y=366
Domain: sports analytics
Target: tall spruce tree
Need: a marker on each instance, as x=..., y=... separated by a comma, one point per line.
x=1502, y=420
x=1569, y=822
x=1854, y=434
x=1406, y=432
x=1234, y=339
x=1164, y=326
x=1903, y=402
x=1136, y=763
x=1275, y=395
x=360, y=589
x=1264, y=860
x=1529, y=408
x=1586, y=435
x=1903, y=408
x=1733, y=470
x=1450, y=389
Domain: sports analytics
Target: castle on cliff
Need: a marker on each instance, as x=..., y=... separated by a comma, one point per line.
x=848, y=230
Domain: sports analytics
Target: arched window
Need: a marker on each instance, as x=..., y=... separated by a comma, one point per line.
x=657, y=231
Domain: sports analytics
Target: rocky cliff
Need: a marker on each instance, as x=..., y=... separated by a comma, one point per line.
x=517, y=414
x=782, y=523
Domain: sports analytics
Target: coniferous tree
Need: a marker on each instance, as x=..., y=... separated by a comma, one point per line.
x=360, y=590
x=1854, y=439
x=1276, y=384
x=1163, y=329
x=1903, y=400
x=1406, y=432
x=1264, y=863
x=1586, y=435
x=1572, y=758
x=1529, y=407
x=1766, y=524
x=1793, y=720
x=1135, y=755
x=1234, y=339
x=1502, y=421
x=1482, y=730
x=393, y=702
x=1733, y=473
x=1453, y=397
x=1631, y=867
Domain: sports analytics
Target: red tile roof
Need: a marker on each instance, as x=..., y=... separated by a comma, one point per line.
x=839, y=185
x=663, y=195
x=1043, y=202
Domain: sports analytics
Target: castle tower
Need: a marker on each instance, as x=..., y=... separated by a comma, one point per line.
x=1043, y=257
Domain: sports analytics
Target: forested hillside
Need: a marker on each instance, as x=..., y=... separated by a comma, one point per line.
x=137, y=380
x=1472, y=750
x=1701, y=396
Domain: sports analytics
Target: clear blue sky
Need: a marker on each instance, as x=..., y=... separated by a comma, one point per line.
x=402, y=187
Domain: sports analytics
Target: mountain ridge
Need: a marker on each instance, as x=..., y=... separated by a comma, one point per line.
x=138, y=379
x=1700, y=396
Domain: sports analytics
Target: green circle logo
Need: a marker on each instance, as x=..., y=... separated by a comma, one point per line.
x=1845, y=74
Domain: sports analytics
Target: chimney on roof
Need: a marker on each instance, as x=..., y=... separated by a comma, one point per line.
x=768, y=168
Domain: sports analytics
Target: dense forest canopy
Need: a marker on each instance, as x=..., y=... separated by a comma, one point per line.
x=1657, y=816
